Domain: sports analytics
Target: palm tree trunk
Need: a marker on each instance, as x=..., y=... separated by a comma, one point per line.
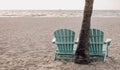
x=82, y=53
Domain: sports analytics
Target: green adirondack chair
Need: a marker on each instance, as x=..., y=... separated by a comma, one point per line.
x=64, y=39
x=98, y=47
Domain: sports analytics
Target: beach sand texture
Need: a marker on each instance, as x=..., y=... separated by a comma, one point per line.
x=25, y=42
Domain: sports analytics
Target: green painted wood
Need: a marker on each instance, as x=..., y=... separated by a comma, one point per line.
x=65, y=42
x=96, y=43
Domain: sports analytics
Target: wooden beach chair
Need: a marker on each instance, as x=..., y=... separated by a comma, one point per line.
x=98, y=47
x=64, y=39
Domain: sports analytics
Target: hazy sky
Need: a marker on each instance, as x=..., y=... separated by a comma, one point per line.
x=57, y=4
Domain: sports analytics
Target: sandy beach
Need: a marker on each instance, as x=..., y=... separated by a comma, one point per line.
x=25, y=42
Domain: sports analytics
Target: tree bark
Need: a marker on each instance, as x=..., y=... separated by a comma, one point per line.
x=82, y=53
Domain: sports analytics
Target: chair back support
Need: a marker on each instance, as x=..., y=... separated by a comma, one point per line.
x=65, y=40
x=96, y=42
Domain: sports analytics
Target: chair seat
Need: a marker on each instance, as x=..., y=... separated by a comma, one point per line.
x=94, y=53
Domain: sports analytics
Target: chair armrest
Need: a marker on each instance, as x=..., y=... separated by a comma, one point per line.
x=108, y=41
x=76, y=42
x=54, y=40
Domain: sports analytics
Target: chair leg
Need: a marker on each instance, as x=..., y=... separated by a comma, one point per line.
x=55, y=58
x=107, y=51
x=104, y=58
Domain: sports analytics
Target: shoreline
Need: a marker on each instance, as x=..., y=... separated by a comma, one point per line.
x=57, y=13
x=58, y=16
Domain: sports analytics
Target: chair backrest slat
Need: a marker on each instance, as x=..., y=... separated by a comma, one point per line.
x=96, y=41
x=65, y=40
